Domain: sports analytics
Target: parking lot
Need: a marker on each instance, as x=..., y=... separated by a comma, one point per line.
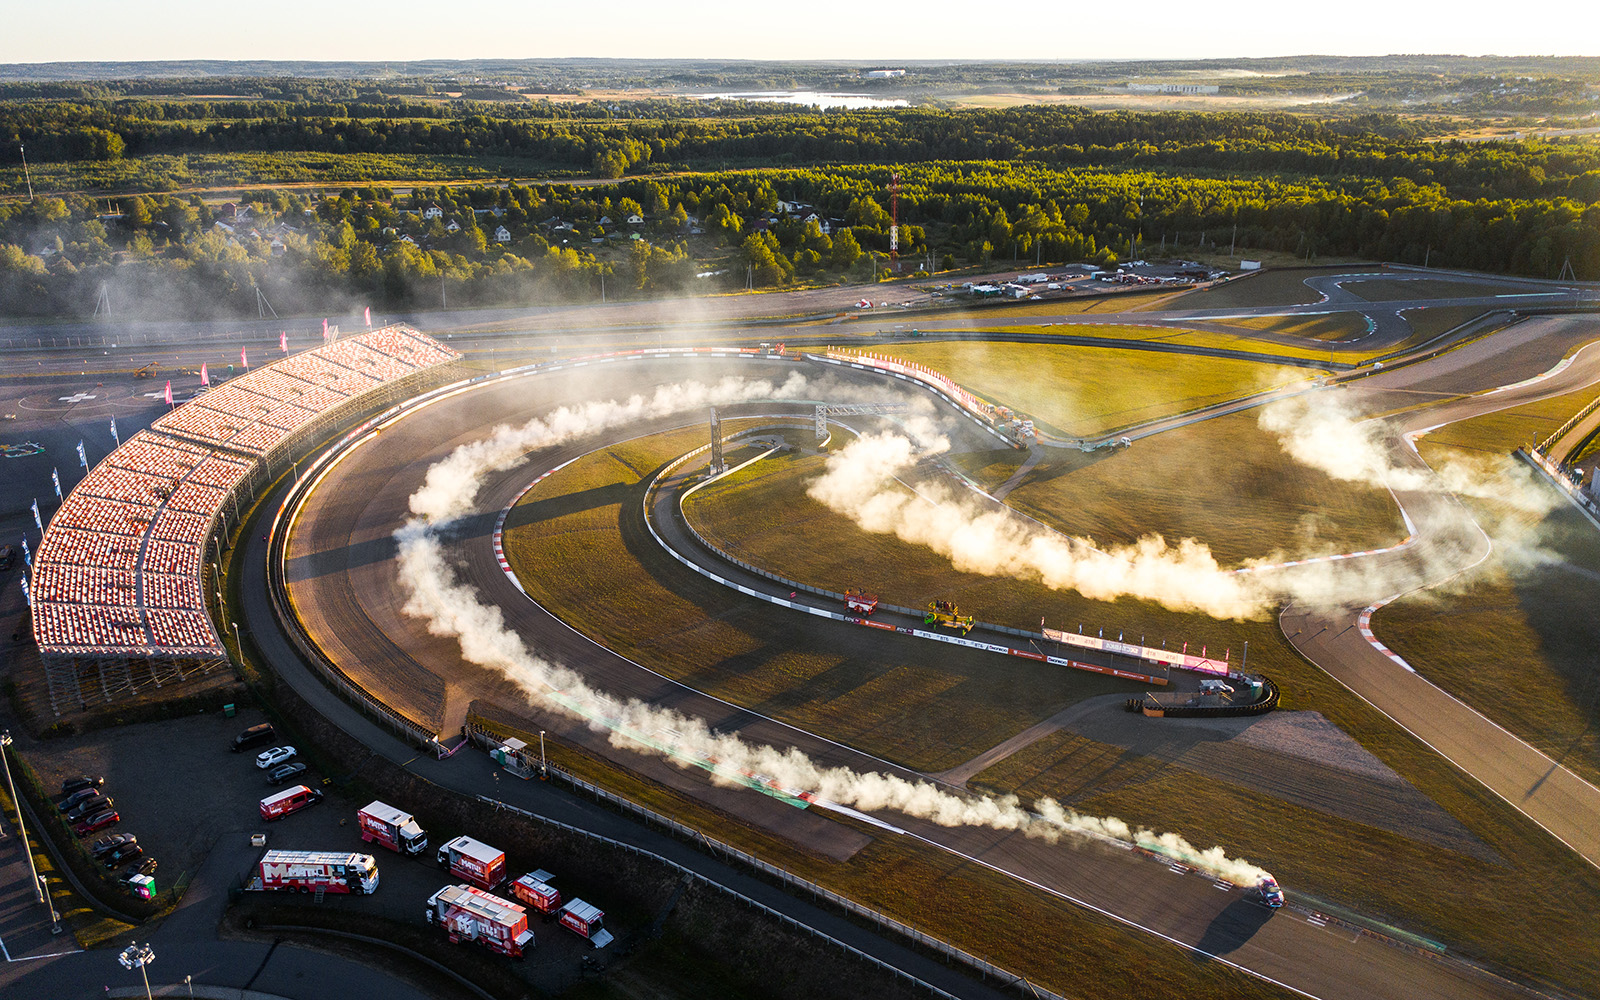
x=181, y=790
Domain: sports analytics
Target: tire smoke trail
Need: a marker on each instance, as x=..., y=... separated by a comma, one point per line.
x=452, y=609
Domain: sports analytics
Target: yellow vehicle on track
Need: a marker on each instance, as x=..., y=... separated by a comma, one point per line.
x=945, y=614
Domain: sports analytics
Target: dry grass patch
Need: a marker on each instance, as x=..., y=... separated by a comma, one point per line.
x=1326, y=326
x=1464, y=901
x=1089, y=391
x=1402, y=289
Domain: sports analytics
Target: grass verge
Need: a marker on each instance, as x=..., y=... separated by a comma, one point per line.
x=1089, y=391
x=1327, y=326
x=1401, y=289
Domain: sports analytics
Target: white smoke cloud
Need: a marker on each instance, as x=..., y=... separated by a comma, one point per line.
x=1321, y=430
x=859, y=482
x=453, y=610
x=452, y=485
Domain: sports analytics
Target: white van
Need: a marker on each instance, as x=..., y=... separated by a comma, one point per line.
x=1215, y=686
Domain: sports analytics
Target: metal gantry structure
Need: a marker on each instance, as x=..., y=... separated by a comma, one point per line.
x=825, y=410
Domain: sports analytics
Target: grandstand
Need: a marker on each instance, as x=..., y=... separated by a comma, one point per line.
x=119, y=592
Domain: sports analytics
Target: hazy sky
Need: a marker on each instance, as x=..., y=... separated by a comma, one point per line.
x=814, y=29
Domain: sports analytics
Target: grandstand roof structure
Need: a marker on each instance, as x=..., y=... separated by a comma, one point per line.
x=119, y=571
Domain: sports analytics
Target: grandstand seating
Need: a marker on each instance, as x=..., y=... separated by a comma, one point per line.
x=118, y=572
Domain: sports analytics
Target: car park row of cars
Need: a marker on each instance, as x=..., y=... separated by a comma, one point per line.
x=90, y=810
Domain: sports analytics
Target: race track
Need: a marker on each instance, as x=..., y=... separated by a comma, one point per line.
x=343, y=580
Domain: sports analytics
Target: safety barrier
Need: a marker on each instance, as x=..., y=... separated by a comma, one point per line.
x=1267, y=703
x=728, y=851
x=797, y=586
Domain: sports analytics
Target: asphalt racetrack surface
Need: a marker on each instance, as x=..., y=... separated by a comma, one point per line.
x=343, y=579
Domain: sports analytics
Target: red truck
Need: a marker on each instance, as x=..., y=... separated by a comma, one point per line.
x=290, y=800
x=535, y=889
x=396, y=830
x=475, y=862
x=309, y=871
x=470, y=914
x=586, y=921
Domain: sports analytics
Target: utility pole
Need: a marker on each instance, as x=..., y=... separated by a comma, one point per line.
x=26, y=175
x=1235, y=243
x=1427, y=257
x=5, y=745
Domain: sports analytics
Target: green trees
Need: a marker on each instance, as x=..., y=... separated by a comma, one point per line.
x=846, y=251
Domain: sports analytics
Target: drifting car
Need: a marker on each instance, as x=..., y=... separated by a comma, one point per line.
x=277, y=755
x=1270, y=893
x=99, y=821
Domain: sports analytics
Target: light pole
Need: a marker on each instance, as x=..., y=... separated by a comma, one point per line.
x=137, y=956
x=189, y=982
x=236, y=643
x=543, y=768
x=5, y=744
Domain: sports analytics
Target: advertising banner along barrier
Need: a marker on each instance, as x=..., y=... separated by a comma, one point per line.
x=1181, y=660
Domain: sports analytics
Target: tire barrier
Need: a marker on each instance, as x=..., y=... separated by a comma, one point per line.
x=1151, y=707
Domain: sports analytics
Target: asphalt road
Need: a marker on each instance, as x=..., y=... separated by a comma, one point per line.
x=1448, y=542
x=364, y=499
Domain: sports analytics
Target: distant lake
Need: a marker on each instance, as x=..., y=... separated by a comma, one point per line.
x=809, y=98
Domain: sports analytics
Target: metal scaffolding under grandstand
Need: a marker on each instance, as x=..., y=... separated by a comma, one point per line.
x=119, y=595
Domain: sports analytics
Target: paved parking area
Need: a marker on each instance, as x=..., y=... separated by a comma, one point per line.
x=189, y=798
x=176, y=785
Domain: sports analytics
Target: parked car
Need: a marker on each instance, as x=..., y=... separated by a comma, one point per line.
x=105, y=845
x=285, y=772
x=99, y=821
x=277, y=755
x=81, y=783
x=88, y=808
x=148, y=868
x=78, y=798
x=123, y=855
x=255, y=735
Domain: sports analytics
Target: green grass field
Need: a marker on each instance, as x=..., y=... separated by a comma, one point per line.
x=1241, y=342
x=1434, y=320
x=1329, y=326
x=1089, y=391
x=1272, y=287
x=1398, y=289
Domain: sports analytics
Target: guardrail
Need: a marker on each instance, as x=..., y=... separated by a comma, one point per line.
x=1543, y=447
x=985, y=968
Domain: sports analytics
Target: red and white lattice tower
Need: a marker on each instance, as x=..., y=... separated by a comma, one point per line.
x=894, y=222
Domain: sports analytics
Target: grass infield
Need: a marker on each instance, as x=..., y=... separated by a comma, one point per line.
x=1089, y=391
x=598, y=571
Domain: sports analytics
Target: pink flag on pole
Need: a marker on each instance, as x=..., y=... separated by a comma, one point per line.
x=244, y=360
x=283, y=341
x=324, y=328
x=205, y=376
x=369, y=317
x=168, y=395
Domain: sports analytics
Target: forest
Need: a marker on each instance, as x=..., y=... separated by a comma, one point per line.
x=702, y=183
